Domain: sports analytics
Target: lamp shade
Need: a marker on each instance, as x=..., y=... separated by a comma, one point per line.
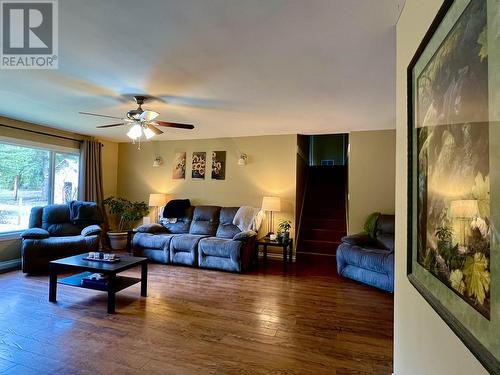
x=272, y=204
x=464, y=209
x=157, y=200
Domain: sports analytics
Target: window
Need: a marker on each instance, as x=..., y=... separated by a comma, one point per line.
x=33, y=176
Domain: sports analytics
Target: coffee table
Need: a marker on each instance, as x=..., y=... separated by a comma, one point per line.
x=115, y=282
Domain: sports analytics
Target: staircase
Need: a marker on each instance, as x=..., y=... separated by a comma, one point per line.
x=323, y=221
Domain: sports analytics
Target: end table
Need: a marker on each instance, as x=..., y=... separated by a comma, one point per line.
x=130, y=235
x=287, y=247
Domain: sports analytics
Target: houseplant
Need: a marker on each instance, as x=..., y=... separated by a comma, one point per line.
x=128, y=213
x=284, y=230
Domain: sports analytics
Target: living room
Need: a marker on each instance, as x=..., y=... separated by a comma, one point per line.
x=227, y=187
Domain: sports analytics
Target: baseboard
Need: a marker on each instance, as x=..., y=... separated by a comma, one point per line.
x=10, y=265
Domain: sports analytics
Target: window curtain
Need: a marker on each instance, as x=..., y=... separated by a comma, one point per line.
x=91, y=188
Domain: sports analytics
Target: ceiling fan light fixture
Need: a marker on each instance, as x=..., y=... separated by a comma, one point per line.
x=148, y=133
x=135, y=132
x=147, y=116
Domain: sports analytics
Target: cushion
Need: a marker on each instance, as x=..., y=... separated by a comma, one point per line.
x=91, y=230
x=152, y=228
x=183, y=249
x=182, y=224
x=35, y=234
x=226, y=227
x=385, y=224
x=152, y=241
x=205, y=220
x=63, y=229
x=367, y=258
x=55, y=214
x=220, y=247
x=386, y=241
x=359, y=239
x=36, y=217
x=85, y=212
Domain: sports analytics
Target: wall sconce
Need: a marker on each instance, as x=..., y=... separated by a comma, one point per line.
x=243, y=159
x=157, y=162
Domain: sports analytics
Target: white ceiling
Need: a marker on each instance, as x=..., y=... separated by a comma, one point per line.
x=230, y=67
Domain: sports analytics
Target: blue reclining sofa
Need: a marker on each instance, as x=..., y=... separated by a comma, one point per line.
x=369, y=258
x=204, y=236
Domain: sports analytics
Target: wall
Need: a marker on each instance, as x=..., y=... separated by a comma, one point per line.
x=371, y=175
x=109, y=167
x=423, y=343
x=270, y=171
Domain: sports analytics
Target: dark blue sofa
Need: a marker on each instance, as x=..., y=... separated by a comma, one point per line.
x=56, y=231
x=369, y=258
x=203, y=237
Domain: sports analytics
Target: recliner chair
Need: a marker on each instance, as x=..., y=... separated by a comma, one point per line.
x=369, y=259
x=53, y=235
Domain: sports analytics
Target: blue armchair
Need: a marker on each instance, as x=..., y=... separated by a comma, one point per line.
x=369, y=258
x=59, y=230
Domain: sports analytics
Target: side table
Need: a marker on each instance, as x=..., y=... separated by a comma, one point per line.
x=130, y=235
x=287, y=247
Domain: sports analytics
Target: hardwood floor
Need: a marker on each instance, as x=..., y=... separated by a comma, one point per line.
x=199, y=322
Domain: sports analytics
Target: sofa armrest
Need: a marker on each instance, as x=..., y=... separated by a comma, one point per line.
x=359, y=239
x=243, y=236
x=35, y=234
x=152, y=228
x=91, y=230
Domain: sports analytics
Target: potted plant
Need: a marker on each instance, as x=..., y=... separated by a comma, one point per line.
x=128, y=213
x=284, y=230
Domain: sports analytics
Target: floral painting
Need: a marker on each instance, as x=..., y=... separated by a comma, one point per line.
x=179, y=166
x=453, y=177
x=199, y=163
x=219, y=165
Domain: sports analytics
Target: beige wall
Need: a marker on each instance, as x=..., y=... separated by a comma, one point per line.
x=423, y=342
x=270, y=171
x=109, y=167
x=372, y=172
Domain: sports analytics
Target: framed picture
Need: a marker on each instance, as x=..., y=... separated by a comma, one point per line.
x=219, y=165
x=199, y=163
x=453, y=182
x=179, y=166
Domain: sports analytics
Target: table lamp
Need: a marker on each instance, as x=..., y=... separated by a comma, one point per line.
x=463, y=210
x=157, y=200
x=271, y=204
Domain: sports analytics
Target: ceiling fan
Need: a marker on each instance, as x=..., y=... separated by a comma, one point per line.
x=142, y=121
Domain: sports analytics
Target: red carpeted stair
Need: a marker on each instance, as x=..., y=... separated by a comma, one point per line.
x=323, y=221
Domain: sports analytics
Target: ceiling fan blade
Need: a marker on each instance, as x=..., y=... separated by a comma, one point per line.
x=109, y=126
x=148, y=116
x=98, y=115
x=173, y=125
x=154, y=130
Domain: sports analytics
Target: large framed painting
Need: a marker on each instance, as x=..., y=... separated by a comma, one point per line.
x=454, y=174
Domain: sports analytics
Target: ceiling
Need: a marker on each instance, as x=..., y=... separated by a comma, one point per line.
x=231, y=68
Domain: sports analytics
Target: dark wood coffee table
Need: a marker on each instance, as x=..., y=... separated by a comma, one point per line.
x=115, y=282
